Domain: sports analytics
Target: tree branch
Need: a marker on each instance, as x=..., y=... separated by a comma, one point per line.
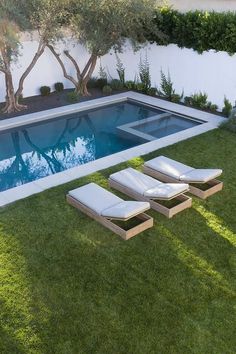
x=66, y=75
x=40, y=51
x=74, y=62
x=92, y=67
x=86, y=67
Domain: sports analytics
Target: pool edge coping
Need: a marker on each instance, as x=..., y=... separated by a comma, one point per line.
x=16, y=193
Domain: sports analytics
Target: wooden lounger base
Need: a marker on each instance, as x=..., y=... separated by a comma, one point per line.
x=184, y=201
x=212, y=186
x=146, y=221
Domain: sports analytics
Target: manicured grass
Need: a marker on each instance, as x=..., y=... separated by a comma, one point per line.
x=68, y=285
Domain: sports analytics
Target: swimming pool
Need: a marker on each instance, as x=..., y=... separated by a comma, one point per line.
x=41, y=150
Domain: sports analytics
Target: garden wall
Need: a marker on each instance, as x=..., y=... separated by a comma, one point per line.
x=211, y=72
x=216, y=5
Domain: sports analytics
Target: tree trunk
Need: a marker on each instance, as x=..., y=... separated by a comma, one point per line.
x=82, y=89
x=86, y=75
x=40, y=51
x=11, y=102
x=12, y=98
x=66, y=75
x=82, y=79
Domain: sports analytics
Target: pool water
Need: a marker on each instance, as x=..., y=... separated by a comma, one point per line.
x=32, y=152
x=165, y=126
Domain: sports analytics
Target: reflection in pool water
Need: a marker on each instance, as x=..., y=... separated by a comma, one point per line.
x=32, y=152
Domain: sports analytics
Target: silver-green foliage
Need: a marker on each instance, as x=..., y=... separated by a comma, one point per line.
x=227, y=107
x=120, y=69
x=144, y=74
x=167, y=89
x=103, y=25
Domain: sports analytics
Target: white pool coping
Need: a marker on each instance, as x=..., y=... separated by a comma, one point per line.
x=212, y=121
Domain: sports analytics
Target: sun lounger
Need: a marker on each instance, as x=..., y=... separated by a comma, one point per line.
x=202, y=182
x=142, y=187
x=104, y=206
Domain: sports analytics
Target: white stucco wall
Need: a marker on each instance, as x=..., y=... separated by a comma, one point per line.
x=47, y=70
x=216, y=5
x=213, y=73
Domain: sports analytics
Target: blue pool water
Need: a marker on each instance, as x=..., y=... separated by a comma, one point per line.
x=32, y=152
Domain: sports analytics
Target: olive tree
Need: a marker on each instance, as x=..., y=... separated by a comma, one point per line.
x=43, y=16
x=101, y=26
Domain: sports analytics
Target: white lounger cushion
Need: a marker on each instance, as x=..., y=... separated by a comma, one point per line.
x=95, y=197
x=126, y=209
x=182, y=172
x=168, y=167
x=200, y=175
x=135, y=180
x=106, y=203
x=167, y=190
x=146, y=185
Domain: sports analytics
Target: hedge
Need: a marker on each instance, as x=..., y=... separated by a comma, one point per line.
x=198, y=30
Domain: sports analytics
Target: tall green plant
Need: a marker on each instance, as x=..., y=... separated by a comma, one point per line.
x=102, y=72
x=120, y=69
x=144, y=73
x=227, y=107
x=167, y=88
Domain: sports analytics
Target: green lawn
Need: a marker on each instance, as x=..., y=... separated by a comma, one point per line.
x=67, y=285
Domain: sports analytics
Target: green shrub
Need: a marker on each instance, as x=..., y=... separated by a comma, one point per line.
x=139, y=86
x=59, y=87
x=227, y=107
x=100, y=83
x=167, y=89
x=92, y=83
x=212, y=107
x=230, y=123
x=107, y=90
x=197, y=100
x=116, y=85
x=199, y=30
x=176, y=98
x=187, y=100
x=152, y=91
x=72, y=97
x=130, y=85
x=45, y=90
